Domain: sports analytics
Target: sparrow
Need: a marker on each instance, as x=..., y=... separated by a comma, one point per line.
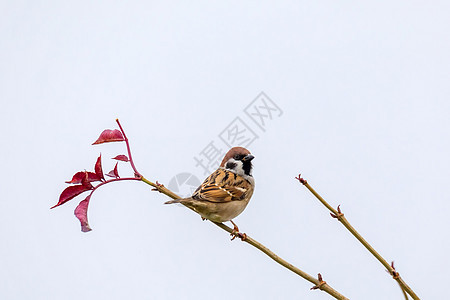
x=226, y=192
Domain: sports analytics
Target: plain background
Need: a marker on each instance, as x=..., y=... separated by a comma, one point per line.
x=364, y=89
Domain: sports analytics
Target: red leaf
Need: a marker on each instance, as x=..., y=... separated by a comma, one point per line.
x=121, y=157
x=77, y=178
x=109, y=135
x=81, y=214
x=98, y=168
x=114, y=173
x=70, y=193
x=85, y=181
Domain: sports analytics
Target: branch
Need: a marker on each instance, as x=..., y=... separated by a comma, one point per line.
x=136, y=173
x=340, y=216
x=318, y=283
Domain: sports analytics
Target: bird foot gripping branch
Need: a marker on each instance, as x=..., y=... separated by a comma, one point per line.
x=242, y=236
x=235, y=233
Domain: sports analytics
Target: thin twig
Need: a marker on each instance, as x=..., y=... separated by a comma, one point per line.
x=405, y=294
x=136, y=173
x=340, y=216
x=318, y=283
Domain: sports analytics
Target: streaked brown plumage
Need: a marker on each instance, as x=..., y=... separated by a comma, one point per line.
x=227, y=191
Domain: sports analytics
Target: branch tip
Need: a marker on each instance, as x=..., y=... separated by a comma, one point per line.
x=302, y=181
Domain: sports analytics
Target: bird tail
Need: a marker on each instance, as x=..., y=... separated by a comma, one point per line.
x=173, y=201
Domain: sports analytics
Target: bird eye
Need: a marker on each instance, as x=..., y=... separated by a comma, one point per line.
x=237, y=157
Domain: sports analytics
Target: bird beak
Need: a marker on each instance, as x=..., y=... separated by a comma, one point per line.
x=248, y=157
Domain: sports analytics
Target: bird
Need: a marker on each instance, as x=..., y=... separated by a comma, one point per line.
x=226, y=192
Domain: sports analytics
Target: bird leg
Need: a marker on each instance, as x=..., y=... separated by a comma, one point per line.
x=235, y=233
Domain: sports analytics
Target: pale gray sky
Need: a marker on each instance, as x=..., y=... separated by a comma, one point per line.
x=364, y=90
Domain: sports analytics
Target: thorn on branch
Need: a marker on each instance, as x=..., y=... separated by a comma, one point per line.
x=302, y=181
x=320, y=284
x=394, y=273
x=158, y=187
x=339, y=215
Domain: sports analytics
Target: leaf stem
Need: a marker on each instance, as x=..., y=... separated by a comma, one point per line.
x=319, y=284
x=136, y=173
x=340, y=216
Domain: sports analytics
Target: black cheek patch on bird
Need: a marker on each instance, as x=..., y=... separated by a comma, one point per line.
x=230, y=165
x=247, y=167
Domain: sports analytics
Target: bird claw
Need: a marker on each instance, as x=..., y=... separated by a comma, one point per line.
x=242, y=236
x=235, y=233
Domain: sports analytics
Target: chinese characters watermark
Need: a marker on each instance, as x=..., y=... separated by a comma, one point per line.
x=239, y=132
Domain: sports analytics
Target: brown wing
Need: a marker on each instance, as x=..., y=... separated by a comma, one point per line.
x=223, y=186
